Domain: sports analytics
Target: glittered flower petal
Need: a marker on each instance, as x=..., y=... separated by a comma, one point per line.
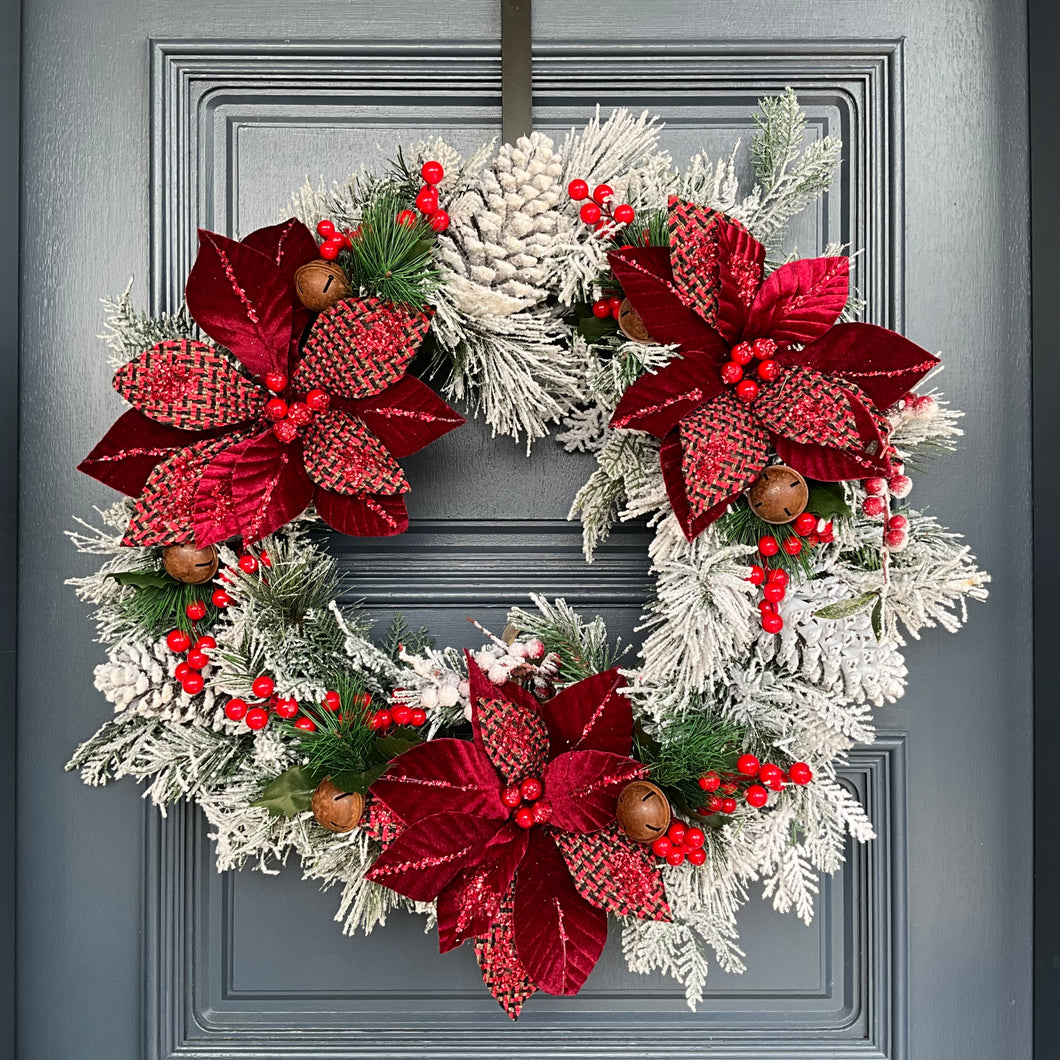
x=582, y=787
x=590, y=715
x=342, y=455
x=615, y=873
x=190, y=385
x=357, y=348
x=482, y=688
x=428, y=854
x=441, y=776
x=670, y=459
x=407, y=416
x=363, y=514
x=809, y=407
x=503, y=973
x=559, y=936
x=800, y=300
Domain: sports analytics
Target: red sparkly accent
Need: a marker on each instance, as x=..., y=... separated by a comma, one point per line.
x=695, y=394
x=230, y=272
x=503, y=973
x=343, y=455
x=381, y=823
x=515, y=738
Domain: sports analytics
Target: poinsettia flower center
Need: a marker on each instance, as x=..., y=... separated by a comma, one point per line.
x=293, y=410
x=526, y=804
x=738, y=372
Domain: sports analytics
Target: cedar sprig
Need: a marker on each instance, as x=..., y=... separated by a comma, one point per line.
x=400, y=636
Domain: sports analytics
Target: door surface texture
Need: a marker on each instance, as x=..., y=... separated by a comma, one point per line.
x=144, y=120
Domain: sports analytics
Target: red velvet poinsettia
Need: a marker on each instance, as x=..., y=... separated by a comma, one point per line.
x=531, y=882
x=761, y=364
x=212, y=449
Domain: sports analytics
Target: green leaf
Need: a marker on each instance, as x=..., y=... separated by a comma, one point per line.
x=387, y=748
x=827, y=499
x=877, y=620
x=289, y=794
x=359, y=782
x=592, y=328
x=144, y=579
x=846, y=608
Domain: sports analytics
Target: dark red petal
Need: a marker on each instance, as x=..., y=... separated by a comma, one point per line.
x=441, y=776
x=289, y=245
x=591, y=715
x=800, y=300
x=559, y=936
x=359, y=347
x=190, y=385
x=163, y=513
x=717, y=265
x=644, y=273
x=124, y=457
x=723, y=449
x=407, y=416
x=363, y=514
x=429, y=853
x=671, y=457
x=582, y=787
x=239, y=297
x=657, y=400
x=342, y=455
x=469, y=903
x=883, y=363
x=615, y=873
x=381, y=823
x=503, y=973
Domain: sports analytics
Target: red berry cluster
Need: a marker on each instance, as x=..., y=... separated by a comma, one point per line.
x=748, y=768
x=876, y=505
x=427, y=199
x=526, y=804
x=741, y=355
x=290, y=416
x=681, y=843
x=598, y=211
x=607, y=307
x=256, y=716
x=335, y=242
x=188, y=670
x=809, y=528
x=399, y=714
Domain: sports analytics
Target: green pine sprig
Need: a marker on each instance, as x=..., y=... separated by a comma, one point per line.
x=157, y=603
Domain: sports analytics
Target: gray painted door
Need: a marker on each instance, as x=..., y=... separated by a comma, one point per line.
x=146, y=118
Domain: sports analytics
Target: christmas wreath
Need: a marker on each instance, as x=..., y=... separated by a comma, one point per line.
x=528, y=793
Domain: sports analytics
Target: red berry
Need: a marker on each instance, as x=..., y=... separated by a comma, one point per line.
x=248, y=564
x=287, y=708
x=220, y=598
x=432, y=172
x=524, y=817
x=276, y=408
x=710, y=781
x=318, y=400
x=615, y=312
x=603, y=193
x=757, y=575
x=748, y=765
x=900, y=486
x=326, y=228
x=440, y=221
x=286, y=431
x=401, y=714
x=730, y=787
x=768, y=546
x=406, y=217
x=624, y=214
x=542, y=812
x=427, y=200
x=800, y=773
x=601, y=308
x=769, y=773
x=765, y=605
x=898, y=522
x=195, y=610
x=714, y=803
x=747, y=390
x=696, y=856
x=531, y=789
x=896, y=540
x=728, y=805
x=256, y=718
x=192, y=683
x=776, y=783
x=419, y=716
x=198, y=659
x=772, y=622
x=300, y=414
x=768, y=371
x=661, y=847
x=181, y=670
x=676, y=856
x=332, y=701
x=923, y=404
x=805, y=524
x=695, y=838
x=731, y=373
x=306, y=724
x=263, y=686
x=511, y=796
x=792, y=546
x=614, y=302
x=236, y=709
x=578, y=190
x=756, y=795
x=779, y=576
x=742, y=353
x=875, y=487
x=874, y=507
x=590, y=213
x=773, y=592
x=264, y=557
x=206, y=644
x=381, y=720
x=330, y=249
x=676, y=833
x=178, y=640
x=763, y=348
x=276, y=381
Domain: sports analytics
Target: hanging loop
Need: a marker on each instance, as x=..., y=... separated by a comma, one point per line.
x=516, y=70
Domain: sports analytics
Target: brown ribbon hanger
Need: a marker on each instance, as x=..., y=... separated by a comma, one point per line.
x=516, y=70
